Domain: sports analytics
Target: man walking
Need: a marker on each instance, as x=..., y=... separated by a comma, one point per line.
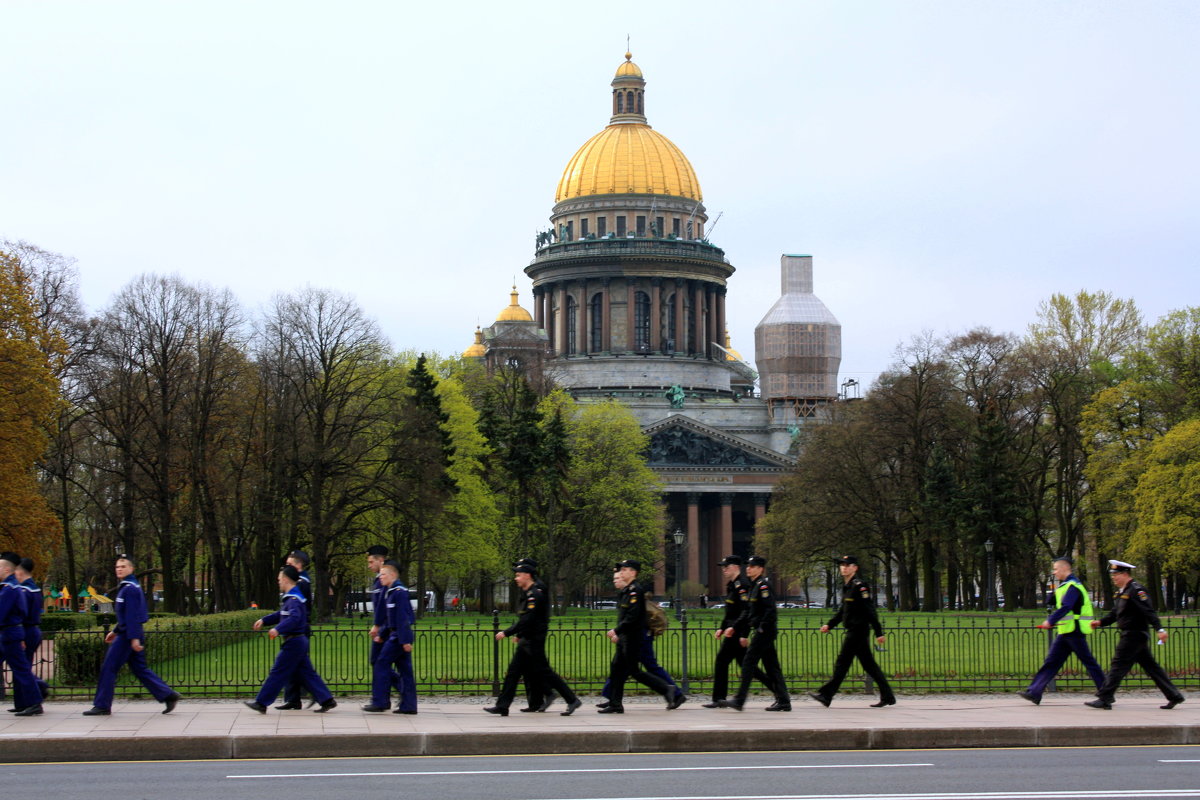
x=628, y=634
x=12, y=639
x=1072, y=623
x=395, y=639
x=1134, y=616
x=292, y=664
x=858, y=616
x=761, y=647
x=529, y=659
x=298, y=559
x=376, y=556
x=126, y=645
x=733, y=630
x=33, y=620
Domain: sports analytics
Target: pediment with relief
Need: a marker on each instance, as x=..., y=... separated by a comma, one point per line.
x=680, y=441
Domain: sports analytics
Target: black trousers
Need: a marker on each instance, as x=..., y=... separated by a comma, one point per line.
x=762, y=650
x=529, y=662
x=857, y=644
x=626, y=665
x=1134, y=648
x=731, y=651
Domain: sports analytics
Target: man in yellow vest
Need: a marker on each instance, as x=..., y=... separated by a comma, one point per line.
x=1072, y=621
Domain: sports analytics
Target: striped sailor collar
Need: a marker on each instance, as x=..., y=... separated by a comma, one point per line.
x=130, y=582
x=295, y=592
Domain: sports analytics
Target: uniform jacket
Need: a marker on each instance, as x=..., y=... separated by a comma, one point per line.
x=534, y=622
x=737, y=606
x=763, y=616
x=1132, y=610
x=399, y=621
x=379, y=609
x=130, y=604
x=1072, y=603
x=33, y=603
x=631, y=612
x=857, y=610
x=12, y=610
x=292, y=617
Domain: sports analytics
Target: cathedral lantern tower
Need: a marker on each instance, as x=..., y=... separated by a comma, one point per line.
x=628, y=289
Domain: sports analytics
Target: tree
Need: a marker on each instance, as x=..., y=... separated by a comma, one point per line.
x=1167, y=500
x=28, y=398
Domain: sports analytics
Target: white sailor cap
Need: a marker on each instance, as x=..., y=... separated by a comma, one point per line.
x=1119, y=566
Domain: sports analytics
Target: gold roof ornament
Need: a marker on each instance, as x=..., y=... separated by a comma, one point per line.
x=513, y=312
x=629, y=68
x=476, y=350
x=730, y=353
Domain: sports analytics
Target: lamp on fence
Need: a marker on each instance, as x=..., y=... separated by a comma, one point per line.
x=989, y=546
x=680, y=539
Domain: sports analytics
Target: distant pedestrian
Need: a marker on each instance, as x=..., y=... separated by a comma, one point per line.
x=733, y=630
x=393, y=666
x=292, y=663
x=529, y=659
x=858, y=616
x=127, y=645
x=760, y=648
x=628, y=636
x=1134, y=616
x=1072, y=622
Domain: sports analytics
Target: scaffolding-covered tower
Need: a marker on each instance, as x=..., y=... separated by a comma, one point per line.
x=798, y=349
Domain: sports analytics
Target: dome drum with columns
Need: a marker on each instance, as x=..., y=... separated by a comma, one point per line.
x=628, y=303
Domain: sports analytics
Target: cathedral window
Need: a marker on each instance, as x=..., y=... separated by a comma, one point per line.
x=641, y=226
x=641, y=321
x=675, y=227
x=639, y=101
x=601, y=226
x=596, y=318
x=583, y=228
x=621, y=226
x=571, y=231
x=572, y=325
x=620, y=102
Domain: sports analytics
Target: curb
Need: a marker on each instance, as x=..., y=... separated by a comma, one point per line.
x=174, y=748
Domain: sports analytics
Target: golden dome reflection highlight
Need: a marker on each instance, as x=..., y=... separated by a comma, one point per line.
x=513, y=312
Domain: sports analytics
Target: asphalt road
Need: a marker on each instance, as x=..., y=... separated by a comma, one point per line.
x=1008, y=774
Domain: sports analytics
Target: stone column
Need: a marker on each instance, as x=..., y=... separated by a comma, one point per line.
x=581, y=332
x=760, y=507
x=724, y=528
x=692, y=571
x=548, y=317
x=680, y=316
x=539, y=297
x=720, y=303
x=710, y=300
x=655, y=315
x=606, y=322
x=630, y=331
x=698, y=306
x=560, y=319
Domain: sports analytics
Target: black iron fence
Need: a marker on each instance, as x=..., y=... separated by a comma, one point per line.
x=462, y=657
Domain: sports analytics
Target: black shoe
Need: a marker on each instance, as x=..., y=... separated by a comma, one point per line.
x=496, y=710
x=1098, y=703
x=713, y=704
x=546, y=703
x=777, y=706
x=1172, y=703
x=294, y=705
x=529, y=710
x=605, y=704
x=14, y=710
x=328, y=705
x=254, y=704
x=889, y=701
x=1036, y=699
x=611, y=709
x=404, y=711
x=371, y=708
x=820, y=698
x=30, y=711
x=571, y=706
x=94, y=711
x=735, y=704
x=676, y=701
x=170, y=702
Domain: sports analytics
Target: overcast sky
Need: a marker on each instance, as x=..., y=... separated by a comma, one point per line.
x=948, y=164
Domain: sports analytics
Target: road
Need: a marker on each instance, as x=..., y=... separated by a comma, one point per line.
x=1005, y=774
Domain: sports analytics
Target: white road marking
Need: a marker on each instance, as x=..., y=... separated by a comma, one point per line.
x=1030, y=795
x=1179, y=760
x=525, y=772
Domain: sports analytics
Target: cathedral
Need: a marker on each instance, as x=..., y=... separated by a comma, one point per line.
x=629, y=305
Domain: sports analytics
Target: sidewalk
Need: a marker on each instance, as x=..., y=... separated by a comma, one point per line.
x=211, y=729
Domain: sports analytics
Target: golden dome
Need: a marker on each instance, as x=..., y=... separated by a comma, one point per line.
x=628, y=158
x=731, y=355
x=476, y=350
x=514, y=312
x=629, y=68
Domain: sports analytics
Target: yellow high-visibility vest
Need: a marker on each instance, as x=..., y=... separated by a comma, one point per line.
x=1082, y=620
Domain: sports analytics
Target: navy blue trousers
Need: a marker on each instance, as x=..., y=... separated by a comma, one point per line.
x=25, y=688
x=393, y=668
x=376, y=648
x=293, y=665
x=1060, y=650
x=647, y=659
x=120, y=653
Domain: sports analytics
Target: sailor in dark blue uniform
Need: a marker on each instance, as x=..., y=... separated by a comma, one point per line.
x=376, y=556
x=395, y=639
x=299, y=559
x=127, y=645
x=12, y=638
x=33, y=620
x=291, y=663
x=761, y=647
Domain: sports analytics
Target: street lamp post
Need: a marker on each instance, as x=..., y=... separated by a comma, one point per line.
x=680, y=539
x=989, y=546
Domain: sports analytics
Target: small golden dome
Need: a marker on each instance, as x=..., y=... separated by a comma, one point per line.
x=514, y=312
x=732, y=355
x=629, y=68
x=476, y=350
x=628, y=158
